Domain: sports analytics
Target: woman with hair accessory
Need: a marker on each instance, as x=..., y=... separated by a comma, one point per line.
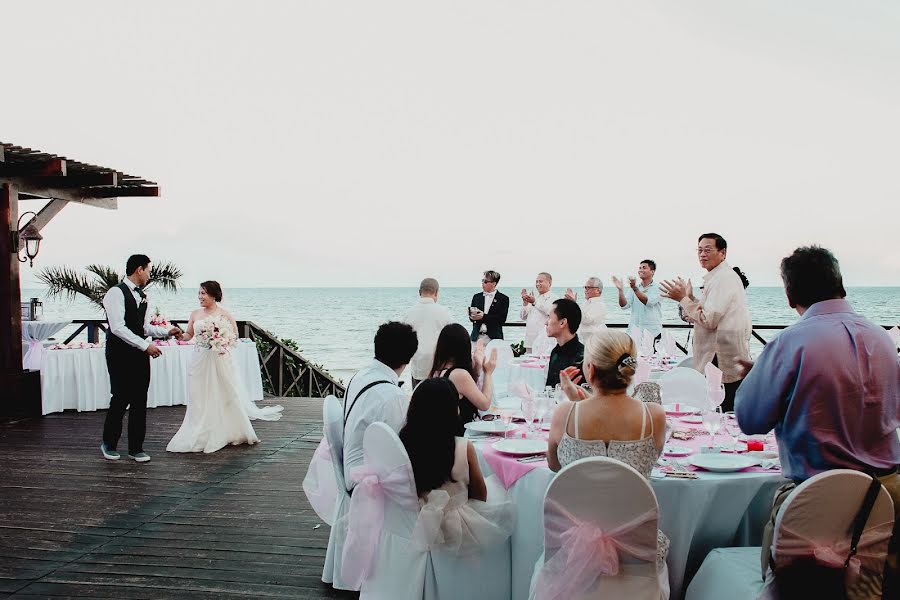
x=607, y=421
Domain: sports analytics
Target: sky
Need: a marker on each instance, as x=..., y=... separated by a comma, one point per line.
x=375, y=143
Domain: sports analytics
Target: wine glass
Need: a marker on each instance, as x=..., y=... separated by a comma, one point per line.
x=732, y=429
x=712, y=420
x=716, y=396
x=542, y=408
x=529, y=407
x=506, y=415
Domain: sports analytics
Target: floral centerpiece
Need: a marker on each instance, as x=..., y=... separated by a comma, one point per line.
x=158, y=320
x=518, y=349
x=215, y=333
x=77, y=346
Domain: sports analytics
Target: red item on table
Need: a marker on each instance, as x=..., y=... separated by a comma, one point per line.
x=754, y=445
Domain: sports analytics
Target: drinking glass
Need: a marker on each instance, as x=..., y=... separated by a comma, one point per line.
x=542, y=408
x=712, y=420
x=506, y=415
x=529, y=408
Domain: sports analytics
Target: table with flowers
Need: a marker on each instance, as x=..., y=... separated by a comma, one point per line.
x=74, y=376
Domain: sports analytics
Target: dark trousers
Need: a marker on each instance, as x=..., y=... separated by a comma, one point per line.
x=730, y=389
x=129, y=379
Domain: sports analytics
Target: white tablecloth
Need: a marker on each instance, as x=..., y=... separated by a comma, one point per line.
x=78, y=379
x=716, y=510
x=33, y=334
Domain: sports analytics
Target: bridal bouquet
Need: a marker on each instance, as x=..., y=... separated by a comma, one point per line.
x=216, y=334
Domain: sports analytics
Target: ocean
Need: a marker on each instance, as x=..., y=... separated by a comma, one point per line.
x=335, y=326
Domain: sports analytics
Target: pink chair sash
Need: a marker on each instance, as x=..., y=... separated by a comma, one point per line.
x=366, y=516
x=585, y=552
x=791, y=545
x=642, y=372
x=320, y=485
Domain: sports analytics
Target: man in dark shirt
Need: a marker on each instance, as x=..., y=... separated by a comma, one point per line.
x=565, y=317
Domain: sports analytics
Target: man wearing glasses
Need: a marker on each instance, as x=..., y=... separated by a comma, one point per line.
x=488, y=310
x=593, y=313
x=721, y=317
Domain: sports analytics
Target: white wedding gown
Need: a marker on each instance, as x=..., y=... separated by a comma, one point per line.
x=216, y=416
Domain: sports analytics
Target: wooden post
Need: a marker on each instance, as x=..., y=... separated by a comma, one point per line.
x=10, y=296
x=20, y=390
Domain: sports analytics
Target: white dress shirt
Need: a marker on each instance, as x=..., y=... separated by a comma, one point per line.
x=488, y=300
x=114, y=305
x=536, y=315
x=383, y=403
x=593, y=318
x=721, y=322
x=427, y=318
x=646, y=316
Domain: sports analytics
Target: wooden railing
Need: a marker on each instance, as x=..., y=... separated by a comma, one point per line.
x=285, y=372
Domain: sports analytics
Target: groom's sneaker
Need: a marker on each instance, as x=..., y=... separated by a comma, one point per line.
x=140, y=457
x=109, y=454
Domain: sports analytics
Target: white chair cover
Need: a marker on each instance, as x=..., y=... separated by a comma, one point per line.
x=333, y=418
x=319, y=485
x=684, y=386
x=816, y=522
x=543, y=344
x=501, y=373
x=384, y=545
x=600, y=535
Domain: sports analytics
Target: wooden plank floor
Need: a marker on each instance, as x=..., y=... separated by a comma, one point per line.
x=233, y=524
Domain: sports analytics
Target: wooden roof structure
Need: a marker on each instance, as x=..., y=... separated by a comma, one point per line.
x=27, y=174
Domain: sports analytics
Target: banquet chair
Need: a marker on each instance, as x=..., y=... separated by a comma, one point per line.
x=649, y=391
x=814, y=523
x=542, y=345
x=600, y=535
x=333, y=418
x=684, y=386
x=501, y=372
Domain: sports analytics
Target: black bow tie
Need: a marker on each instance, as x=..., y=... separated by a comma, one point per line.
x=140, y=293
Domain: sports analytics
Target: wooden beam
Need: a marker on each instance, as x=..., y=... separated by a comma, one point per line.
x=10, y=297
x=55, y=167
x=104, y=203
x=43, y=217
x=73, y=181
x=120, y=192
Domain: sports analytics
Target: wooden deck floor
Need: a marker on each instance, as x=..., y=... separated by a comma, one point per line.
x=233, y=524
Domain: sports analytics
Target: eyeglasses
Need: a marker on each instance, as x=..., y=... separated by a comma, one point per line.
x=705, y=251
x=591, y=287
x=487, y=281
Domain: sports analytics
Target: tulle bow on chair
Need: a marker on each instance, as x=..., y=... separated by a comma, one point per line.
x=585, y=552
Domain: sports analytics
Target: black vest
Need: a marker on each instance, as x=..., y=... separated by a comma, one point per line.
x=134, y=321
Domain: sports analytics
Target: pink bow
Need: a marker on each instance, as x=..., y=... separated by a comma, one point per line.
x=366, y=516
x=585, y=552
x=791, y=545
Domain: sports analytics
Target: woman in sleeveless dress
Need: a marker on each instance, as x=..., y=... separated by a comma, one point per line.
x=476, y=513
x=607, y=422
x=454, y=360
x=216, y=416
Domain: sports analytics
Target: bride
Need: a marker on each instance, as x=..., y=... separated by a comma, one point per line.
x=216, y=415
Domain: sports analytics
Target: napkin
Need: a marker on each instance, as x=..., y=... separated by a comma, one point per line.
x=647, y=343
x=520, y=389
x=642, y=372
x=713, y=376
x=894, y=332
x=669, y=346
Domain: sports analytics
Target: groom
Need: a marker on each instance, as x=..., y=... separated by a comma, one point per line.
x=128, y=356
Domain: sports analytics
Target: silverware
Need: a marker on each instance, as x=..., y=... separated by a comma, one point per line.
x=528, y=459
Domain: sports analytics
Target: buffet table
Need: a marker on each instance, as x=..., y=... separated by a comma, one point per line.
x=78, y=378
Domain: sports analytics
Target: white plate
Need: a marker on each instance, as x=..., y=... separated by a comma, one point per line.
x=691, y=419
x=677, y=450
x=683, y=409
x=739, y=447
x=545, y=426
x=723, y=463
x=495, y=426
x=521, y=446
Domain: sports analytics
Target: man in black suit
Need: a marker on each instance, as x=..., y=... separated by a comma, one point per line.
x=489, y=321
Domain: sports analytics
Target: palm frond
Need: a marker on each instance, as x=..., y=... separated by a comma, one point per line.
x=106, y=276
x=69, y=283
x=165, y=275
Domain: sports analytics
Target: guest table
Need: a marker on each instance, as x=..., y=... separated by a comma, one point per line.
x=714, y=510
x=33, y=334
x=78, y=378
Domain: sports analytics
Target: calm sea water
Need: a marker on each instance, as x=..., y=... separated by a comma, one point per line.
x=335, y=326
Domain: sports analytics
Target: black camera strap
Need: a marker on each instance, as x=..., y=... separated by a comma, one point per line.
x=859, y=522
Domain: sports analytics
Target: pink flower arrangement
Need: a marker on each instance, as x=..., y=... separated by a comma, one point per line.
x=76, y=346
x=215, y=333
x=158, y=320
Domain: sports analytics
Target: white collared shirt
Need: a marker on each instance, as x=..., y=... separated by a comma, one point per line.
x=114, y=305
x=593, y=318
x=646, y=316
x=383, y=403
x=488, y=300
x=427, y=318
x=721, y=322
x=536, y=315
